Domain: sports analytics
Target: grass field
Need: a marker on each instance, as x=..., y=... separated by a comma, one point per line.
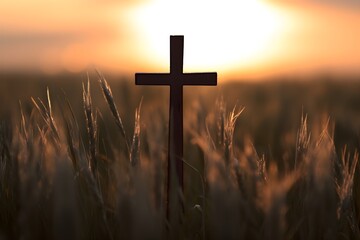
x=263, y=160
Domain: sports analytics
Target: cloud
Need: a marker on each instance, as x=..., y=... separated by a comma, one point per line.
x=344, y=4
x=341, y=3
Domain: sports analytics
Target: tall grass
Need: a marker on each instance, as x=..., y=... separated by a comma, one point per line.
x=66, y=177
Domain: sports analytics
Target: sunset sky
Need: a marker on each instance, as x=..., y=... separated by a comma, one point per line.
x=238, y=39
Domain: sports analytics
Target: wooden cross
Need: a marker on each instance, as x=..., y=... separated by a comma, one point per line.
x=176, y=79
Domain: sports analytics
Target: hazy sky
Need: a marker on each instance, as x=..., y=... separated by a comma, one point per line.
x=248, y=38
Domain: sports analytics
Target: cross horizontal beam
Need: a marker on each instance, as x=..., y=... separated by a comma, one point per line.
x=202, y=79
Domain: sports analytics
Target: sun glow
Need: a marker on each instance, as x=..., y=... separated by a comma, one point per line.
x=240, y=39
x=218, y=34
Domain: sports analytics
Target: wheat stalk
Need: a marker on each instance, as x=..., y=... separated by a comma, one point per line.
x=110, y=100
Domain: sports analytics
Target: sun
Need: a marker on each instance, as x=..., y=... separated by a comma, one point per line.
x=218, y=34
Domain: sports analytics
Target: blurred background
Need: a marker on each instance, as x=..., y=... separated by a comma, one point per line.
x=249, y=39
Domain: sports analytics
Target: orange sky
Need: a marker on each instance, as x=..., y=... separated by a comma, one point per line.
x=238, y=39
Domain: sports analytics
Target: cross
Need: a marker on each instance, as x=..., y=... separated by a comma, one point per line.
x=176, y=79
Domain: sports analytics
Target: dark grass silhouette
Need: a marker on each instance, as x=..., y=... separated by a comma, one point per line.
x=276, y=169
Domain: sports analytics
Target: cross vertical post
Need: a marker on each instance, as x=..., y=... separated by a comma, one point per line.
x=176, y=148
x=176, y=79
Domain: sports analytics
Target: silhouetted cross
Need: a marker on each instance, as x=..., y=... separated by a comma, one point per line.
x=176, y=79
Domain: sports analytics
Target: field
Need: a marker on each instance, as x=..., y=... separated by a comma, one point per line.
x=83, y=158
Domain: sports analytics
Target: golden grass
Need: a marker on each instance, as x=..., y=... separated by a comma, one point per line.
x=67, y=177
